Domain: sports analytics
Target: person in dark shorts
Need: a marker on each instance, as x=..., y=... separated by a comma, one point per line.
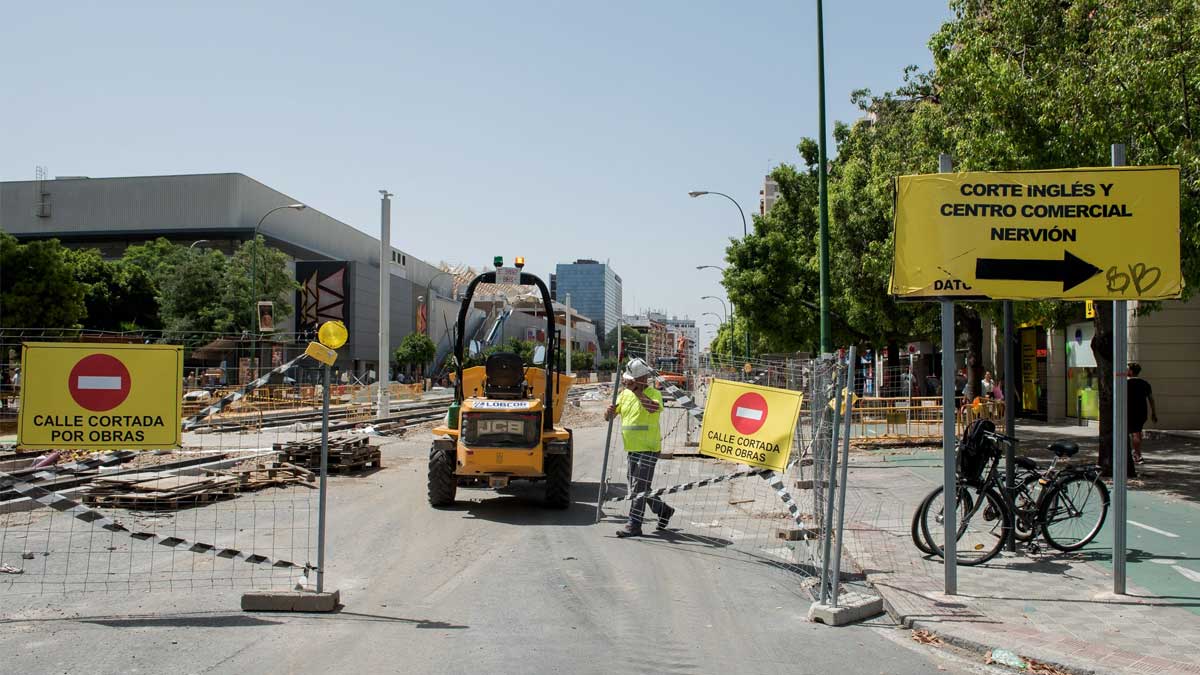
x=1140, y=401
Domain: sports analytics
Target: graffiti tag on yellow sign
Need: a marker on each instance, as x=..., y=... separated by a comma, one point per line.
x=749, y=424
x=111, y=397
x=1102, y=233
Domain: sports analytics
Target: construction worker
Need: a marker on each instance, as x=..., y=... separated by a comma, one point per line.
x=639, y=405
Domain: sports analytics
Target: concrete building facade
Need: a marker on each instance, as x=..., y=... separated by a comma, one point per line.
x=223, y=209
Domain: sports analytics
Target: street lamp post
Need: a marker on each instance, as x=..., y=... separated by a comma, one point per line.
x=724, y=307
x=826, y=329
x=198, y=241
x=701, y=193
x=718, y=318
x=254, y=277
x=745, y=233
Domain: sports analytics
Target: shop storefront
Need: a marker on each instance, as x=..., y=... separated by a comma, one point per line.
x=1033, y=372
x=1083, y=388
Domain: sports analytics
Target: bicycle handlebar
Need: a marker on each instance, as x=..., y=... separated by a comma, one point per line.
x=996, y=436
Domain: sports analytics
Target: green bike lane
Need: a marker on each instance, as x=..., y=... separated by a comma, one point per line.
x=1162, y=536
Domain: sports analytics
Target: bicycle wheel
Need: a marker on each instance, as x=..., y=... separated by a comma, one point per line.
x=1073, y=511
x=980, y=524
x=1025, y=506
x=918, y=538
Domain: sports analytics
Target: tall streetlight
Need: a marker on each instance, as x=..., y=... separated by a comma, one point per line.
x=198, y=241
x=714, y=315
x=724, y=307
x=826, y=330
x=701, y=193
x=254, y=273
x=722, y=271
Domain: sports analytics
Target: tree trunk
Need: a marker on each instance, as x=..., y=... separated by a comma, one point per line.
x=973, y=327
x=1102, y=348
x=892, y=371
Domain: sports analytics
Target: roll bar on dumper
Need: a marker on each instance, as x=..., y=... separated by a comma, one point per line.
x=525, y=279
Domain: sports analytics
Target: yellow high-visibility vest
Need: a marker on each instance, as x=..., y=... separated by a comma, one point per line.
x=639, y=427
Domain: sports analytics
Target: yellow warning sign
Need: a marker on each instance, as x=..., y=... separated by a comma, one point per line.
x=321, y=353
x=749, y=423
x=1103, y=233
x=93, y=397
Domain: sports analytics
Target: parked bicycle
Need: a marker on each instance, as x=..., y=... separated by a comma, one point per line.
x=1067, y=504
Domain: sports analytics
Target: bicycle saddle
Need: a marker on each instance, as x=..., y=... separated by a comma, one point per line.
x=1025, y=463
x=1064, y=448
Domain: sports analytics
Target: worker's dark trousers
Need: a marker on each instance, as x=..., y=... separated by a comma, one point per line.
x=641, y=477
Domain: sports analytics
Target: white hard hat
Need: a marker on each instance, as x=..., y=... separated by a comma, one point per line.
x=636, y=368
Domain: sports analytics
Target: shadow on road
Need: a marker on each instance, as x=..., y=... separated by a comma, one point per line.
x=523, y=504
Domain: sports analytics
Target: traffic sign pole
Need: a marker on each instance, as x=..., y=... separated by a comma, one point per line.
x=949, y=491
x=1010, y=418
x=1120, y=450
x=324, y=475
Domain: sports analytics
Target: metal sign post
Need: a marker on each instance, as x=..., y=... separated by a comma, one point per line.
x=1010, y=416
x=847, y=403
x=949, y=490
x=324, y=475
x=1120, y=439
x=608, y=437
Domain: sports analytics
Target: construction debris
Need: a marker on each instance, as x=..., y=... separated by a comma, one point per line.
x=346, y=455
x=925, y=637
x=161, y=491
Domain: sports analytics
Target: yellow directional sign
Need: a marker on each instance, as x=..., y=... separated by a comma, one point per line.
x=1103, y=233
x=100, y=397
x=749, y=423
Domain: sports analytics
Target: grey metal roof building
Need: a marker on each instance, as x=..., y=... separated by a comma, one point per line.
x=113, y=213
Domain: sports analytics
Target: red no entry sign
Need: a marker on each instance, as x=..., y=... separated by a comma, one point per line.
x=99, y=382
x=749, y=412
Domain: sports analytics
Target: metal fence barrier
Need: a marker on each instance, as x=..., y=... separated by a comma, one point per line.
x=235, y=507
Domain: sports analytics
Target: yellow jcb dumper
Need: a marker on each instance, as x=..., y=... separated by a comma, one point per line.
x=503, y=424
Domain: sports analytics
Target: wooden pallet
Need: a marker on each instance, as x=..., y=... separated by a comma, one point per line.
x=154, y=490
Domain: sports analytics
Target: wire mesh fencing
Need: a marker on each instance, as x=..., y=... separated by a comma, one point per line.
x=767, y=518
x=236, y=506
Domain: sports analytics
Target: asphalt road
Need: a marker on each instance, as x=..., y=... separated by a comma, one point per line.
x=497, y=584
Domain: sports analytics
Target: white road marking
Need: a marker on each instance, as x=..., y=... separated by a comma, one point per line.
x=1153, y=529
x=749, y=413
x=1190, y=575
x=99, y=382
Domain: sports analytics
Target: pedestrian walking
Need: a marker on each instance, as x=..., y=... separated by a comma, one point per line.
x=638, y=405
x=988, y=385
x=1140, y=401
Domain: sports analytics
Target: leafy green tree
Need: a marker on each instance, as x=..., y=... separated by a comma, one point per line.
x=38, y=286
x=416, y=349
x=629, y=335
x=157, y=259
x=242, y=292
x=773, y=273
x=192, y=296
x=118, y=296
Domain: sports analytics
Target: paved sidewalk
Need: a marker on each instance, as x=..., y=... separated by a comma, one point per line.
x=1054, y=607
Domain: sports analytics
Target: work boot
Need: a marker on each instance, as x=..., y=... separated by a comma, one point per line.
x=629, y=531
x=664, y=517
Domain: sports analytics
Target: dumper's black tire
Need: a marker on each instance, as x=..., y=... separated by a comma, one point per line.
x=558, y=478
x=442, y=482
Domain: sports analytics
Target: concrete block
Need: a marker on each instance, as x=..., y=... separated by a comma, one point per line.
x=808, y=483
x=851, y=607
x=798, y=534
x=290, y=601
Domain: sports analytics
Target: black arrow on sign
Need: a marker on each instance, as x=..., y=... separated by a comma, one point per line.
x=1071, y=270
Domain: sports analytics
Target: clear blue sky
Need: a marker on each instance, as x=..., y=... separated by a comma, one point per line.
x=556, y=130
